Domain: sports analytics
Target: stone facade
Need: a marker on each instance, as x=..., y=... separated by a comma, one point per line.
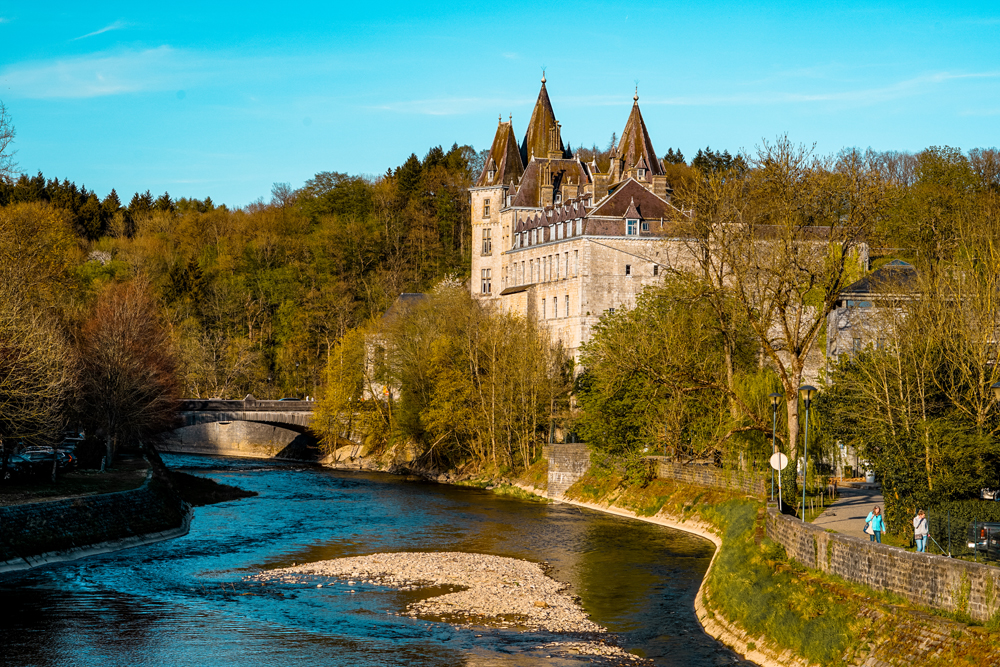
x=568, y=462
x=561, y=242
x=922, y=578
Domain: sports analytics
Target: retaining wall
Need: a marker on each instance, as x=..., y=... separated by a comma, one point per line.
x=922, y=578
x=37, y=533
x=710, y=476
x=567, y=463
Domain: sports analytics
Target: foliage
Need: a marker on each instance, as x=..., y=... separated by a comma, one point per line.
x=448, y=374
x=661, y=377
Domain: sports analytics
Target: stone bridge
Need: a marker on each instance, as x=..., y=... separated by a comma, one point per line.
x=250, y=428
x=293, y=415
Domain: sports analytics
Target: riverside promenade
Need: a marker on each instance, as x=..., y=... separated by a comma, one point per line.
x=847, y=514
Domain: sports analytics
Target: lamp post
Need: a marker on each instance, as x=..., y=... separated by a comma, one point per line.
x=775, y=399
x=807, y=392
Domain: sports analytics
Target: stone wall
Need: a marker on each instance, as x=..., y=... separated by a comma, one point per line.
x=37, y=533
x=240, y=438
x=567, y=463
x=922, y=578
x=710, y=476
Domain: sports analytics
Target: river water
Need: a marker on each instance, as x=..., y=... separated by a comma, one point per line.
x=185, y=601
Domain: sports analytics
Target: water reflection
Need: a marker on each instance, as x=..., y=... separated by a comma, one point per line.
x=186, y=601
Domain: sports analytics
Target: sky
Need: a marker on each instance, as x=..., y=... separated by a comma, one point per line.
x=225, y=99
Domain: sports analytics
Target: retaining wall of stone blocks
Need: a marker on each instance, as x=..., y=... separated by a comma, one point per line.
x=922, y=578
x=710, y=476
x=567, y=463
x=35, y=533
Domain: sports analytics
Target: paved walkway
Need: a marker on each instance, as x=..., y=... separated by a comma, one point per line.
x=847, y=515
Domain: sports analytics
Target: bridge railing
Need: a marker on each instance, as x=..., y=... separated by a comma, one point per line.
x=254, y=405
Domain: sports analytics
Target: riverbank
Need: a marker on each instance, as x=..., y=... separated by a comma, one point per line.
x=40, y=533
x=774, y=611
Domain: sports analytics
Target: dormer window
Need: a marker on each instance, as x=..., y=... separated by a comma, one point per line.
x=641, y=172
x=558, y=197
x=491, y=173
x=631, y=226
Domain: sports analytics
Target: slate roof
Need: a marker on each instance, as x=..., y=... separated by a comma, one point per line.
x=895, y=275
x=631, y=193
x=635, y=144
x=504, y=159
x=570, y=171
x=536, y=137
x=405, y=301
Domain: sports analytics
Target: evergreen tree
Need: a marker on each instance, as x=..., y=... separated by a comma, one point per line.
x=673, y=157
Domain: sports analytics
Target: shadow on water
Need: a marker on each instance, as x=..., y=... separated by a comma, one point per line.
x=188, y=602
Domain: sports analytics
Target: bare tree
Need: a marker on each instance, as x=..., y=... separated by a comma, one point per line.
x=36, y=373
x=784, y=238
x=8, y=168
x=129, y=387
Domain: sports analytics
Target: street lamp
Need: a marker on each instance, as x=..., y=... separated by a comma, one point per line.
x=775, y=400
x=807, y=392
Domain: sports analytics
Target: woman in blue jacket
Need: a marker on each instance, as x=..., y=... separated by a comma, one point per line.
x=875, y=519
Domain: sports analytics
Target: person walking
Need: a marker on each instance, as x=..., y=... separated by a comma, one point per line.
x=920, y=530
x=874, y=525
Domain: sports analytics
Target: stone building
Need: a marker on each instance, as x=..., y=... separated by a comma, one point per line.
x=557, y=239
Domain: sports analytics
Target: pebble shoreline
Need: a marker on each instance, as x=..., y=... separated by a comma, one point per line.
x=496, y=592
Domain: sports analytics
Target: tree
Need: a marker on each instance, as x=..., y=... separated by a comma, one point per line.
x=36, y=373
x=8, y=168
x=784, y=238
x=674, y=157
x=128, y=388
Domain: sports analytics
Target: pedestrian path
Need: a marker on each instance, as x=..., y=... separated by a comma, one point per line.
x=847, y=514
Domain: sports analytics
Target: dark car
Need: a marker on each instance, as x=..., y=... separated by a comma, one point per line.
x=985, y=537
x=18, y=467
x=41, y=459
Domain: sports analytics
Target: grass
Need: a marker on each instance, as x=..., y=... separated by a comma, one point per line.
x=820, y=617
x=127, y=474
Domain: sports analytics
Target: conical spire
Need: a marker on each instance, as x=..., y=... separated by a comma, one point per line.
x=542, y=136
x=635, y=143
x=504, y=163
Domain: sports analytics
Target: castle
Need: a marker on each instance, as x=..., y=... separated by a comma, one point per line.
x=557, y=239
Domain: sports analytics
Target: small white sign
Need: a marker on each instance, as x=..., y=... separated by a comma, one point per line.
x=779, y=461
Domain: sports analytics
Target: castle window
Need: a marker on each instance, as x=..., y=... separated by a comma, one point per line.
x=631, y=227
x=509, y=198
x=857, y=345
x=642, y=174
x=567, y=306
x=656, y=269
x=644, y=226
x=628, y=269
x=486, y=208
x=543, y=309
x=487, y=241
x=491, y=173
x=576, y=262
x=486, y=280
x=558, y=197
x=579, y=227
x=555, y=307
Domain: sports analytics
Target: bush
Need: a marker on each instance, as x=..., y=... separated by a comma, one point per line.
x=959, y=514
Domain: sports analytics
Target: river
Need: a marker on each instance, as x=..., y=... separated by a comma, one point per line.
x=186, y=601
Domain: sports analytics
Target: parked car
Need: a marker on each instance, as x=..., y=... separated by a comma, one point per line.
x=985, y=538
x=41, y=458
x=18, y=467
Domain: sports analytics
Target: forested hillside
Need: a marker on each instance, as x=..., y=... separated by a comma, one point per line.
x=255, y=299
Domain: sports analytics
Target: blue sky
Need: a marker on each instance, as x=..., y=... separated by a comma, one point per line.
x=224, y=99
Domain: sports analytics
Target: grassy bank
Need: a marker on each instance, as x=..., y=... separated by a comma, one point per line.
x=128, y=473
x=783, y=606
